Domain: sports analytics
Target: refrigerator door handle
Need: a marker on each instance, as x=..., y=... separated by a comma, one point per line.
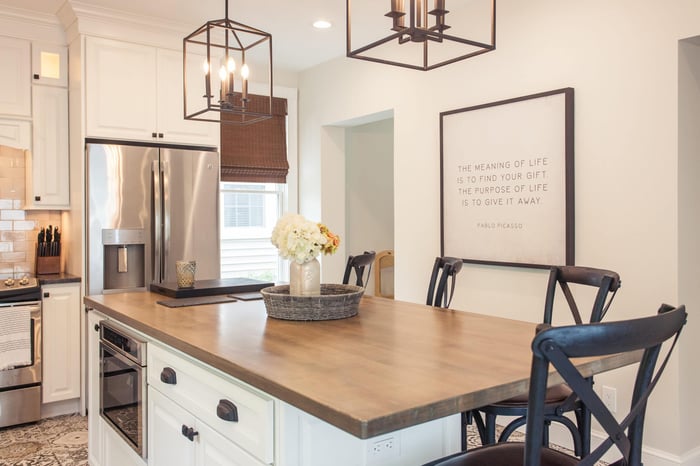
x=167, y=211
x=157, y=260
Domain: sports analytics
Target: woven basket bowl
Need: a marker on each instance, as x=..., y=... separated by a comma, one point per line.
x=334, y=302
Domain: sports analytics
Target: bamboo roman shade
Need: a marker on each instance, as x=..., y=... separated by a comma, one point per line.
x=256, y=152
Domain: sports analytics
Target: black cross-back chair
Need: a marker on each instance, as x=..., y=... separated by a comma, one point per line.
x=560, y=399
x=557, y=346
x=362, y=265
x=444, y=269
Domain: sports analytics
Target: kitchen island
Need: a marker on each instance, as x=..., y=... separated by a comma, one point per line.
x=395, y=377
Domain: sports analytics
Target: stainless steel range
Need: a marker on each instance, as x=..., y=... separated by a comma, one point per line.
x=20, y=351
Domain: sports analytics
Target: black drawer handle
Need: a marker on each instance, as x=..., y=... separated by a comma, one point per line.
x=189, y=432
x=227, y=411
x=168, y=375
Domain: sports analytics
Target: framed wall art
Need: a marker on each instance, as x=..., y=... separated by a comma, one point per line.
x=507, y=181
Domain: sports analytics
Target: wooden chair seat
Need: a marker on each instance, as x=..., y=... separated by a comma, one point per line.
x=555, y=394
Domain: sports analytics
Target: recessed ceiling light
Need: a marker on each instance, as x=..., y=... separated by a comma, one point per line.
x=322, y=24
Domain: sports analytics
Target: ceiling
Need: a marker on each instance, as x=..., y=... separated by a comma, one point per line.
x=296, y=44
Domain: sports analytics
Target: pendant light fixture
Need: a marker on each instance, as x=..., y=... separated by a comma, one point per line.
x=220, y=60
x=420, y=34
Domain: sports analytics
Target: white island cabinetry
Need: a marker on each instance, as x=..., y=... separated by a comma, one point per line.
x=198, y=417
x=229, y=386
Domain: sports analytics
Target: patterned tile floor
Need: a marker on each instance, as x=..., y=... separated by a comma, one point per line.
x=58, y=441
x=62, y=441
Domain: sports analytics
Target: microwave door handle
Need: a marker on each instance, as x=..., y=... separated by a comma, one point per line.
x=157, y=222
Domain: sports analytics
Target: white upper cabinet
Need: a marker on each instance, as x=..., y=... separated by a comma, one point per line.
x=49, y=64
x=171, y=120
x=16, y=133
x=47, y=184
x=135, y=92
x=120, y=89
x=15, y=85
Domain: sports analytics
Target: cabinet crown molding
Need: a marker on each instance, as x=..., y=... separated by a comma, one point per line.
x=88, y=19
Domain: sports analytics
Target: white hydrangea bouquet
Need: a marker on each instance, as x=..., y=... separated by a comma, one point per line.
x=301, y=240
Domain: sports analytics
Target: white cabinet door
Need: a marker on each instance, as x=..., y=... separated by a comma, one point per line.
x=47, y=168
x=120, y=83
x=49, y=64
x=167, y=446
x=16, y=133
x=171, y=120
x=15, y=82
x=95, y=424
x=61, y=345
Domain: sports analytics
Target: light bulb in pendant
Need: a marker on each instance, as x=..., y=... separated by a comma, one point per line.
x=222, y=73
x=245, y=71
x=231, y=65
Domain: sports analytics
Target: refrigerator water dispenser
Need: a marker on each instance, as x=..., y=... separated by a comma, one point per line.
x=124, y=259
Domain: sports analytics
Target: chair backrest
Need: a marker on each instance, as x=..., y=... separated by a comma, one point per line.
x=362, y=265
x=607, y=282
x=557, y=345
x=384, y=274
x=444, y=268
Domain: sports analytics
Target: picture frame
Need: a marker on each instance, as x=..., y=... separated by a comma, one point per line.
x=507, y=181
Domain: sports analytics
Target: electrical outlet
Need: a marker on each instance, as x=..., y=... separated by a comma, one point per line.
x=609, y=397
x=384, y=449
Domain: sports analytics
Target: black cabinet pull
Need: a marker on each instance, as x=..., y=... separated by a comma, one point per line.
x=168, y=375
x=36, y=76
x=37, y=198
x=160, y=135
x=189, y=432
x=97, y=327
x=153, y=135
x=47, y=294
x=227, y=411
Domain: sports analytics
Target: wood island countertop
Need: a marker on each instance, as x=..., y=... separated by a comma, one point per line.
x=394, y=365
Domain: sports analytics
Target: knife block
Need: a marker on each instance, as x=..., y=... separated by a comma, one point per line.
x=47, y=264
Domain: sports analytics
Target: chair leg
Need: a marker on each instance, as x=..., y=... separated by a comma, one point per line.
x=583, y=419
x=466, y=415
x=490, y=429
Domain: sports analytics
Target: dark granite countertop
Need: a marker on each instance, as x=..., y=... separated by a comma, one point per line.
x=55, y=278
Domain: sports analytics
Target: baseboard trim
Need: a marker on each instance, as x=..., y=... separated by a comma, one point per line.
x=59, y=408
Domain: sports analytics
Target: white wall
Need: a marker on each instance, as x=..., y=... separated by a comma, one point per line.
x=622, y=60
x=369, y=189
x=689, y=229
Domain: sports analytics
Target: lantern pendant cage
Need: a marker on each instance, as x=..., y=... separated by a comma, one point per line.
x=419, y=34
x=221, y=61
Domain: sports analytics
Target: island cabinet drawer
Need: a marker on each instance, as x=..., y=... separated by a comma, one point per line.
x=236, y=411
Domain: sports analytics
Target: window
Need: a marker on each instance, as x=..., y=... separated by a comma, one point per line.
x=249, y=212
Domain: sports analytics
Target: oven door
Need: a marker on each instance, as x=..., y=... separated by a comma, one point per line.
x=123, y=397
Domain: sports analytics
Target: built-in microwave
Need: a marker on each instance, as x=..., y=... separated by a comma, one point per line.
x=123, y=384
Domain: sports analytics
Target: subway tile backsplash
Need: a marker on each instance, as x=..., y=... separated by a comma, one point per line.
x=18, y=228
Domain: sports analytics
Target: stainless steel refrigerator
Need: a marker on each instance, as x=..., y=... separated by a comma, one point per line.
x=149, y=206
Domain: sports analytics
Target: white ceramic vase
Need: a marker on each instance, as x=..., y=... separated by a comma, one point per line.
x=305, y=279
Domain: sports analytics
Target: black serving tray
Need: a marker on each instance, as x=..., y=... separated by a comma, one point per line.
x=210, y=287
